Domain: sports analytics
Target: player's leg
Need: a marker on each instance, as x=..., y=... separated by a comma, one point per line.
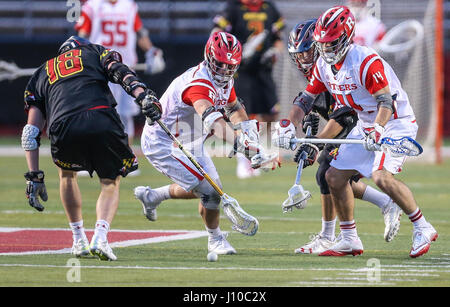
x=389, y=209
x=326, y=237
x=71, y=199
x=423, y=233
x=343, y=199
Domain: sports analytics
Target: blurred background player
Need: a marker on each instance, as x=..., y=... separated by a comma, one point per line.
x=258, y=25
x=340, y=122
x=369, y=29
x=195, y=99
x=116, y=24
x=69, y=94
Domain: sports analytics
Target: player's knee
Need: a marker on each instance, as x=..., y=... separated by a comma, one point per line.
x=321, y=181
x=383, y=179
x=334, y=179
x=209, y=197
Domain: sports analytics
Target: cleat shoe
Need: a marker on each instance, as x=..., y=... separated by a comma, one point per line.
x=102, y=250
x=392, y=214
x=220, y=245
x=345, y=247
x=80, y=248
x=147, y=198
x=422, y=238
x=317, y=245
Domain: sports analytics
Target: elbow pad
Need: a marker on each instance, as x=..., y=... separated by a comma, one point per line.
x=31, y=137
x=116, y=74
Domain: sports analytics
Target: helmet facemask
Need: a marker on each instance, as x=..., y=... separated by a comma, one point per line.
x=333, y=52
x=221, y=73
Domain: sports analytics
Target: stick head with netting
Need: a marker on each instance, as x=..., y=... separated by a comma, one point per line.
x=241, y=221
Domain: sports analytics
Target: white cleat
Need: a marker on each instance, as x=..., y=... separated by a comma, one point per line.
x=80, y=248
x=422, y=238
x=220, y=245
x=102, y=250
x=317, y=245
x=147, y=198
x=345, y=247
x=392, y=214
x=135, y=173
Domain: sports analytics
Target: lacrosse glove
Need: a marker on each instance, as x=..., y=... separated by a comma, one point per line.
x=150, y=106
x=312, y=152
x=311, y=120
x=35, y=188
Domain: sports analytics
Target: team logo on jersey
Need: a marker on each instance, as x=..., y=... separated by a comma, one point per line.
x=229, y=55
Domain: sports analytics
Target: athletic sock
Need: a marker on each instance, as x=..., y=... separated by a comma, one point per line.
x=78, y=231
x=162, y=193
x=213, y=232
x=348, y=230
x=328, y=229
x=376, y=197
x=418, y=219
x=101, y=230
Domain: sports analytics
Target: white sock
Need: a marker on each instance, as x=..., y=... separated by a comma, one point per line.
x=213, y=232
x=101, y=230
x=78, y=231
x=328, y=229
x=418, y=219
x=162, y=193
x=376, y=197
x=348, y=230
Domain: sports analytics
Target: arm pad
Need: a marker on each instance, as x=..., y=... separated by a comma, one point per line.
x=236, y=107
x=31, y=137
x=116, y=74
x=209, y=116
x=385, y=101
x=305, y=102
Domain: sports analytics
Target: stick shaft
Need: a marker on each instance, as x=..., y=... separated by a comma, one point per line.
x=191, y=158
x=328, y=141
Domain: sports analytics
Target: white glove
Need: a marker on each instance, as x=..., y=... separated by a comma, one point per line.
x=373, y=138
x=154, y=61
x=283, y=134
x=248, y=140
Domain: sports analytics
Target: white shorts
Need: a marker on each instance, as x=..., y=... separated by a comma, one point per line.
x=169, y=160
x=355, y=157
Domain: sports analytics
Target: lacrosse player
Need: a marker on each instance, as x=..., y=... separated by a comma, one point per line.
x=340, y=122
x=194, y=106
x=69, y=93
x=258, y=25
x=359, y=78
x=116, y=24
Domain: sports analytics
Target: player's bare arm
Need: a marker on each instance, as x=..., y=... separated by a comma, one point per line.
x=331, y=130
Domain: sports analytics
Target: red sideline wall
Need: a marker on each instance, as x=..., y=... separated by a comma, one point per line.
x=446, y=117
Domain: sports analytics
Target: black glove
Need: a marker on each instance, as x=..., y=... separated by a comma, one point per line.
x=311, y=154
x=311, y=120
x=150, y=105
x=35, y=187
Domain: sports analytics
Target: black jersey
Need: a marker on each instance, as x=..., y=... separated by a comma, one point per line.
x=243, y=23
x=70, y=83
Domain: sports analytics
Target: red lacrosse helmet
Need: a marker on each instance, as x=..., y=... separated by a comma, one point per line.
x=223, y=53
x=334, y=33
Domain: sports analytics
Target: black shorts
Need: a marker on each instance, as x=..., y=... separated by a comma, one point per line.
x=258, y=91
x=93, y=140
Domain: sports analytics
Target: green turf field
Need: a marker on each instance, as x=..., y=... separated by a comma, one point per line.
x=267, y=259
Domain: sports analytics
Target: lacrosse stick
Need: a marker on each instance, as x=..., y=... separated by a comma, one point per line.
x=398, y=147
x=10, y=71
x=249, y=48
x=241, y=220
x=297, y=196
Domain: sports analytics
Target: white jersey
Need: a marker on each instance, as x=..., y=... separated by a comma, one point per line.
x=112, y=25
x=368, y=31
x=180, y=117
x=360, y=76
